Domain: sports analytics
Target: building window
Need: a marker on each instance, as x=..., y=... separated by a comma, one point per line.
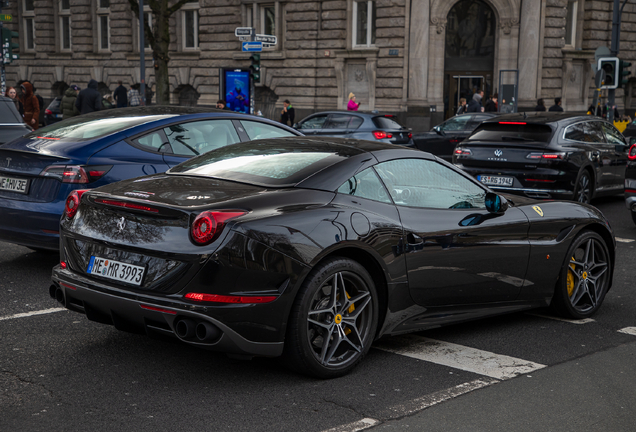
x=103, y=25
x=190, y=25
x=28, y=18
x=570, y=23
x=363, y=23
x=148, y=21
x=65, y=25
x=268, y=19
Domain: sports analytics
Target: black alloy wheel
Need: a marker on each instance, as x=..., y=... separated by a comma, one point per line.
x=583, y=189
x=584, y=278
x=333, y=321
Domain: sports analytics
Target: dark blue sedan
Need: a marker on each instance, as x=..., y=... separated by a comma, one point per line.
x=39, y=170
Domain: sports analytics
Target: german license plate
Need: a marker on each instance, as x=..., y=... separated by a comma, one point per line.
x=495, y=180
x=14, y=185
x=116, y=270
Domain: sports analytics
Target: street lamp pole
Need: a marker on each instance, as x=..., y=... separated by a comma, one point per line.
x=142, y=54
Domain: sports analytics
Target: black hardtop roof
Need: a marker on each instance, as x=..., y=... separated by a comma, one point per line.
x=541, y=117
x=324, y=143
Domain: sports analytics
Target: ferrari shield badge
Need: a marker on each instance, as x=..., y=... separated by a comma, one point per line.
x=538, y=210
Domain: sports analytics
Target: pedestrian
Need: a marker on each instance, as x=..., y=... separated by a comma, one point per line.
x=108, y=102
x=475, y=104
x=89, y=99
x=134, y=99
x=121, y=96
x=491, y=105
x=288, y=113
x=462, y=106
x=352, y=105
x=13, y=94
x=68, y=102
x=557, y=106
x=31, y=105
x=220, y=104
x=540, y=105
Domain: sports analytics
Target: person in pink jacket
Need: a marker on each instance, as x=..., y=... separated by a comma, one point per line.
x=352, y=105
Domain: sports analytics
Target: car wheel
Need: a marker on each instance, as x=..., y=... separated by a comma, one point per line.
x=583, y=189
x=333, y=320
x=584, y=278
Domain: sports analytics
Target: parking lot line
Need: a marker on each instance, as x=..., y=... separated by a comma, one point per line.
x=628, y=330
x=28, y=314
x=457, y=356
x=624, y=240
x=359, y=425
x=581, y=321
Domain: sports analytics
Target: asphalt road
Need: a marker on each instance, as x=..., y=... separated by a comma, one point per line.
x=60, y=372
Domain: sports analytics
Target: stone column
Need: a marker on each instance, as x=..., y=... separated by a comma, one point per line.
x=418, y=52
x=529, y=45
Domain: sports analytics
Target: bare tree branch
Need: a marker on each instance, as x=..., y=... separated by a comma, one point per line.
x=176, y=6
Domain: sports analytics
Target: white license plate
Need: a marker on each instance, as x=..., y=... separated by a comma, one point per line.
x=116, y=270
x=495, y=180
x=58, y=115
x=14, y=185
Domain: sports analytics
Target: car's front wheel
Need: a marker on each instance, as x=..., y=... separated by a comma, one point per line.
x=584, y=278
x=333, y=320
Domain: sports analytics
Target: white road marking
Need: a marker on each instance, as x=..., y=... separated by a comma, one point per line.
x=628, y=330
x=581, y=321
x=622, y=240
x=363, y=424
x=458, y=356
x=28, y=314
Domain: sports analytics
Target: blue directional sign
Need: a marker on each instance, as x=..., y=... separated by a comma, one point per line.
x=252, y=46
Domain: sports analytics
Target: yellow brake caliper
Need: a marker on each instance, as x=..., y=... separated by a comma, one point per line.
x=570, y=280
x=350, y=310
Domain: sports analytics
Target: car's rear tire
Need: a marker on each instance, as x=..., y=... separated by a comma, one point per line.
x=584, y=278
x=583, y=190
x=333, y=320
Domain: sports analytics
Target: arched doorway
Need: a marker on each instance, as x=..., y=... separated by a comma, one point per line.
x=469, y=52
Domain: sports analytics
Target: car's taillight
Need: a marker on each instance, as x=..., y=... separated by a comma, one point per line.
x=632, y=152
x=48, y=111
x=460, y=151
x=382, y=135
x=127, y=205
x=548, y=156
x=216, y=298
x=76, y=173
x=410, y=135
x=72, y=202
x=208, y=225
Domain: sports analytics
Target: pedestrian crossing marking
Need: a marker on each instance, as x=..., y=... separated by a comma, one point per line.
x=628, y=330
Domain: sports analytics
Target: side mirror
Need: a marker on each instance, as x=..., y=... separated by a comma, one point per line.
x=632, y=140
x=295, y=126
x=439, y=130
x=496, y=203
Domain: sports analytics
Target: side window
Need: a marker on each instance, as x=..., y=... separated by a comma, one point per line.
x=428, y=184
x=613, y=136
x=588, y=132
x=338, y=121
x=475, y=121
x=154, y=141
x=365, y=184
x=195, y=138
x=455, y=124
x=313, y=123
x=258, y=130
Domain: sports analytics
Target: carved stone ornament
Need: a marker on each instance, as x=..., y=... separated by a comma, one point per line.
x=440, y=23
x=359, y=75
x=508, y=23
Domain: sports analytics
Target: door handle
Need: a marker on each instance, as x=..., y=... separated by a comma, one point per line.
x=414, y=239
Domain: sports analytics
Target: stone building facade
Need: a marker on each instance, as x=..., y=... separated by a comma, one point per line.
x=411, y=57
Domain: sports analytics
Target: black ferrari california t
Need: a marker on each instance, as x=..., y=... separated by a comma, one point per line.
x=312, y=248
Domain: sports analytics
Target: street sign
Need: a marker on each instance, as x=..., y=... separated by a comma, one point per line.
x=252, y=46
x=244, y=38
x=6, y=18
x=243, y=31
x=268, y=39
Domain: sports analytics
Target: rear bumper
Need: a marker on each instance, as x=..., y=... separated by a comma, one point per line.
x=31, y=224
x=150, y=315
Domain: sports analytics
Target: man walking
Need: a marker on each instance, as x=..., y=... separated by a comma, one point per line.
x=134, y=98
x=68, y=102
x=557, y=106
x=475, y=104
x=121, y=95
x=89, y=99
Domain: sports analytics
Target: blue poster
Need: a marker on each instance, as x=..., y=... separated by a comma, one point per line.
x=237, y=88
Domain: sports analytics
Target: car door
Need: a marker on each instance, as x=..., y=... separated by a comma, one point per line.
x=618, y=152
x=456, y=252
x=186, y=140
x=313, y=124
x=453, y=131
x=588, y=136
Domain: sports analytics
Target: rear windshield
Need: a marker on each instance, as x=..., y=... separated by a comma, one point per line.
x=387, y=122
x=511, y=132
x=80, y=128
x=263, y=163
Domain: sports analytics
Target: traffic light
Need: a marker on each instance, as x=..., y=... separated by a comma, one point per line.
x=623, y=72
x=610, y=66
x=8, y=46
x=255, y=68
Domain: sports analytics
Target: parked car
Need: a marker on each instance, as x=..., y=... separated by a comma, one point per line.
x=313, y=248
x=53, y=113
x=348, y=124
x=443, y=138
x=546, y=155
x=12, y=125
x=630, y=179
x=91, y=150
